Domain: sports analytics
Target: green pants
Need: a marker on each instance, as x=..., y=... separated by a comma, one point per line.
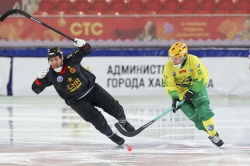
x=198, y=110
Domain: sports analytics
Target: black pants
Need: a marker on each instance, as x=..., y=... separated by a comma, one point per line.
x=98, y=97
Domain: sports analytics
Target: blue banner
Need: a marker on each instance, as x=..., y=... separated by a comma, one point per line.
x=41, y=52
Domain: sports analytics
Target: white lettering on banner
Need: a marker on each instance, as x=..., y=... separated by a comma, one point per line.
x=135, y=69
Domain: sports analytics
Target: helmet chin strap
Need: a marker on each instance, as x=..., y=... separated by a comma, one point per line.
x=59, y=69
x=180, y=65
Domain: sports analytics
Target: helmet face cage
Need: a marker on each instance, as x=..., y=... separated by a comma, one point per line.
x=53, y=52
x=178, y=49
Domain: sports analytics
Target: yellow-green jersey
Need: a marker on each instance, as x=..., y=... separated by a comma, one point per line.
x=193, y=75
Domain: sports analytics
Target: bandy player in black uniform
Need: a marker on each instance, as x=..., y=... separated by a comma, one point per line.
x=77, y=87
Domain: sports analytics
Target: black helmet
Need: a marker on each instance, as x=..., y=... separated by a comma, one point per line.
x=53, y=52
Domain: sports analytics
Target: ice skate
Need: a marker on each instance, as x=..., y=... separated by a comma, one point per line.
x=127, y=126
x=216, y=140
x=116, y=139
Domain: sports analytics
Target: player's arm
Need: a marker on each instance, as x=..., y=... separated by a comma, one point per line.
x=169, y=84
x=200, y=79
x=83, y=49
x=42, y=81
x=201, y=76
x=170, y=87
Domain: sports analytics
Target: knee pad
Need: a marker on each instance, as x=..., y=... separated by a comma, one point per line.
x=189, y=111
x=204, y=112
x=199, y=125
x=197, y=122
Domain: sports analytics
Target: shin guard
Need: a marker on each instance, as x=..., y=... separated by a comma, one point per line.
x=210, y=127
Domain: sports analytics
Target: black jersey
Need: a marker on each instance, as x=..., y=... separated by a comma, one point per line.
x=73, y=81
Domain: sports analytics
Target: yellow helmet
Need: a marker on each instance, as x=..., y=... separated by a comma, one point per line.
x=178, y=49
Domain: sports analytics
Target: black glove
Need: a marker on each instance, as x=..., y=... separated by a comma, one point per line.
x=175, y=106
x=86, y=48
x=189, y=95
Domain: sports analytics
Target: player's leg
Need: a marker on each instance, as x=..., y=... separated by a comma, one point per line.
x=204, y=112
x=90, y=114
x=101, y=98
x=189, y=111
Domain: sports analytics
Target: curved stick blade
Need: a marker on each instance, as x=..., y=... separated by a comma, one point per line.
x=6, y=14
x=128, y=134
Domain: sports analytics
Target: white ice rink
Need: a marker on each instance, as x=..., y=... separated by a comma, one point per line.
x=44, y=131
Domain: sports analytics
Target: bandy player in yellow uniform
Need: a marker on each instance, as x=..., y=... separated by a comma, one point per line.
x=185, y=78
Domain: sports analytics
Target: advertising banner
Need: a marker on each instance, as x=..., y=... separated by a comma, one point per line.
x=108, y=30
x=135, y=76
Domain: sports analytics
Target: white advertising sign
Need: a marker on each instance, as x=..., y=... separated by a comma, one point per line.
x=127, y=76
x=4, y=74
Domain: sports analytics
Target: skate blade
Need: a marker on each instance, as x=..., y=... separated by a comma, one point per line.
x=222, y=147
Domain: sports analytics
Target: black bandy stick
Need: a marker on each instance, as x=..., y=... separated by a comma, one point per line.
x=137, y=131
x=13, y=11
